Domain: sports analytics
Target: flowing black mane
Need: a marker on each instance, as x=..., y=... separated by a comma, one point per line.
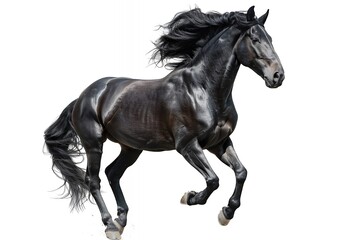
x=189, y=31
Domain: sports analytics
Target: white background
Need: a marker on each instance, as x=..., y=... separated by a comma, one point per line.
x=300, y=142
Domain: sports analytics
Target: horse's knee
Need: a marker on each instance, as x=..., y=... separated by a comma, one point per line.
x=241, y=175
x=213, y=183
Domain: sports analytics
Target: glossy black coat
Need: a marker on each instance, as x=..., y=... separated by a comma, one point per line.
x=189, y=110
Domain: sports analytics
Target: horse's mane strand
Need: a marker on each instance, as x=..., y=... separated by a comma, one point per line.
x=188, y=32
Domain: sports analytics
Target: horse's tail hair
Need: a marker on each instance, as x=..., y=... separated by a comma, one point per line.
x=63, y=143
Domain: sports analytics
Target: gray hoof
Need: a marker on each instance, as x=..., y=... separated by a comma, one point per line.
x=185, y=198
x=113, y=234
x=222, y=219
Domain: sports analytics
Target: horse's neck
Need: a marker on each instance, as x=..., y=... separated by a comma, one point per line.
x=219, y=65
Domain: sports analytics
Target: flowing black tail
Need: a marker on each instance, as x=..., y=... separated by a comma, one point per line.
x=63, y=143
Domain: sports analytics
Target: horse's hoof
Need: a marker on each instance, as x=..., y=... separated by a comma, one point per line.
x=118, y=225
x=222, y=219
x=185, y=198
x=113, y=234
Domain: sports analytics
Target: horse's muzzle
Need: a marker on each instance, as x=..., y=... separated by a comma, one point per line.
x=276, y=81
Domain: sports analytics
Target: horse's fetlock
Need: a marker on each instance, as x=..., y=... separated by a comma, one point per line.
x=234, y=203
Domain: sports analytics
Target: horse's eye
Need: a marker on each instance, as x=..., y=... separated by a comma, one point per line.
x=255, y=40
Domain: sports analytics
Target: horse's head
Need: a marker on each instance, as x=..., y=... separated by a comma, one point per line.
x=254, y=49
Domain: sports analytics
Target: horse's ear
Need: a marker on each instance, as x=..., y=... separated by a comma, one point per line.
x=250, y=15
x=263, y=18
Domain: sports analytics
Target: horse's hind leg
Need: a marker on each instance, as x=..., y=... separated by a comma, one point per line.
x=114, y=172
x=91, y=135
x=93, y=180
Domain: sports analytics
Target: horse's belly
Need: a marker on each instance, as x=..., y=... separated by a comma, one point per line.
x=140, y=135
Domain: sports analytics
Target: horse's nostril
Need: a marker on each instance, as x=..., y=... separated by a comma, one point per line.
x=276, y=76
x=277, y=79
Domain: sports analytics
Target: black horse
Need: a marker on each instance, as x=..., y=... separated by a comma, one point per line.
x=189, y=110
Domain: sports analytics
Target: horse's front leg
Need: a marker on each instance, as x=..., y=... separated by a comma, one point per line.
x=194, y=154
x=226, y=153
